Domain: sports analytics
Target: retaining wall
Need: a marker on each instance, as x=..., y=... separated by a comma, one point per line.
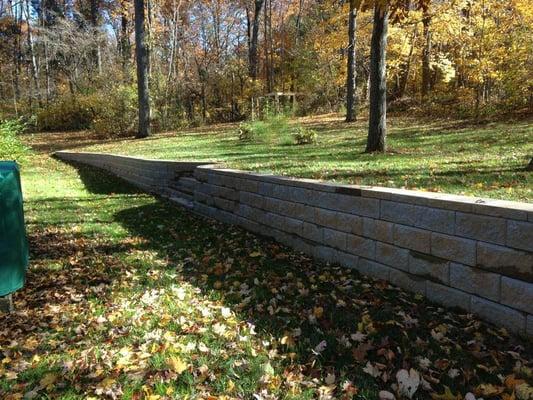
x=457, y=251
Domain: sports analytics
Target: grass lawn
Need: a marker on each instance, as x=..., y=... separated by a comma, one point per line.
x=131, y=297
x=444, y=155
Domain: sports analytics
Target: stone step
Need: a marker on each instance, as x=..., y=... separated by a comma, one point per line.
x=176, y=187
x=183, y=202
x=179, y=193
x=188, y=182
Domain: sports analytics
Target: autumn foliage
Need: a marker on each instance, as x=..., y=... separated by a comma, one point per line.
x=464, y=58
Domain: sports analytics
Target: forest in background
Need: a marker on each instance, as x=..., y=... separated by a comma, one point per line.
x=70, y=64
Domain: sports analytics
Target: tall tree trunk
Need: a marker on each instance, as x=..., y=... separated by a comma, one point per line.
x=15, y=99
x=141, y=52
x=47, y=73
x=125, y=47
x=204, y=102
x=171, y=62
x=253, y=39
x=405, y=69
x=297, y=44
x=16, y=69
x=34, y=67
x=97, y=54
x=266, y=49
x=352, y=72
x=426, y=56
x=270, y=49
x=377, y=124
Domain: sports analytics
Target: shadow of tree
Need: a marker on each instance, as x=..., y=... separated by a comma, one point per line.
x=319, y=318
x=310, y=310
x=97, y=182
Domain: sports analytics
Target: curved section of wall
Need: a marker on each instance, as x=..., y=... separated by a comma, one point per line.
x=455, y=250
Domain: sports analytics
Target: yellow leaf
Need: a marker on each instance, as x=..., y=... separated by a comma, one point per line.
x=447, y=395
x=524, y=392
x=11, y=376
x=231, y=386
x=107, y=383
x=488, y=390
x=177, y=365
x=287, y=340
x=48, y=380
x=31, y=344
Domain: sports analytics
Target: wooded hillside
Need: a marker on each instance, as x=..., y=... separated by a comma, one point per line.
x=71, y=64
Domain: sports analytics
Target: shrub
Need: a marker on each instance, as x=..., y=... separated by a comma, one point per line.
x=11, y=148
x=66, y=113
x=111, y=112
x=245, y=131
x=273, y=129
x=305, y=136
x=116, y=112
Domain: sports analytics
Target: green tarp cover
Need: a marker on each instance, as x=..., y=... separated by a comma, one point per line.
x=13, y=241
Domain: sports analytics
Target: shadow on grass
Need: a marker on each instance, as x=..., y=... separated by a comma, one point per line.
x=98, y=182
x=284, y=293
x=311, y=314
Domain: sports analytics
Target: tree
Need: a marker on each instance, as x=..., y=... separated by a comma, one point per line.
x=426, y=55
x=253, y=37
x=351, y=69
x=141, y=52
x=377, y=124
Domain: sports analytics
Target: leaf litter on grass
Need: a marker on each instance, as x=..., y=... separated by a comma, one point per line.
x=183, y=307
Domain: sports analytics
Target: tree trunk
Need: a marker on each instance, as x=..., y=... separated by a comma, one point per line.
x=97, y=54
x=352, y=72
x=405, y=70
x=47, y=73
x=125, y=47
x=16, y=69
x=266, y=48
x=270, y=49
x=377, y=126
x=34, y=67
x=253, y=39
x=141, y=52
x=426, y=56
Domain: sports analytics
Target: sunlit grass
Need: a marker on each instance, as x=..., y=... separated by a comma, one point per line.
x=131, y=297
x=446, y=156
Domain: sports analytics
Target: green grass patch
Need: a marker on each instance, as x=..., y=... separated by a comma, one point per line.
x=449, y=156
x=129, y=296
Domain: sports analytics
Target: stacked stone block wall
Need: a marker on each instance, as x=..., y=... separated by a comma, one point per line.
x=457, y=251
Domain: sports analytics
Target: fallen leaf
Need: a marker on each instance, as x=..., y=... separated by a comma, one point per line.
x=48, y=380
x=371, y=370
x=177, y=365
x=408, y=382
x=447, y=395
x=384, y=395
